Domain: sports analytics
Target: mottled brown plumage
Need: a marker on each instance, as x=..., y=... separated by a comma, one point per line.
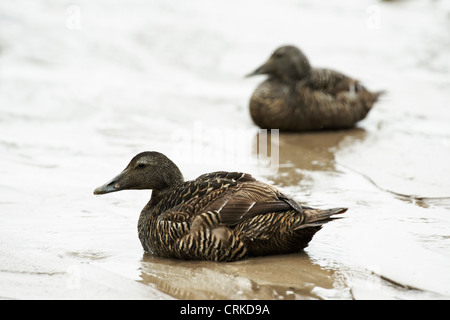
x=220, y=216
x=297, y=97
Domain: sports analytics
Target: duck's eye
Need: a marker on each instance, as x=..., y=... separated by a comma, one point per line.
x=141, y=165
x=278, y=55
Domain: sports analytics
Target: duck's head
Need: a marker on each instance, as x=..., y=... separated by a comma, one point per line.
x=287, y=63
x=147, y=170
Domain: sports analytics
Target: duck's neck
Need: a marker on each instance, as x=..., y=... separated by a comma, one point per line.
x=169, y=177
x=147, y=224
x=295, y=75
x=158, y=195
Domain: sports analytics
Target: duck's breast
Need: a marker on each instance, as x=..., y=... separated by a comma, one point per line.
x=269, y=105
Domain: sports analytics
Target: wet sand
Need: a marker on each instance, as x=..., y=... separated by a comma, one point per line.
x=79, y=98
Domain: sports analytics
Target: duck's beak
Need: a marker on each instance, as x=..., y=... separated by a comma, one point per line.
x=111, y=186
x=254, y=73
x=266, y=68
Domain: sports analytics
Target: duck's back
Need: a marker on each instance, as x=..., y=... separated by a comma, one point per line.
x=329, y=81
x=235, y=195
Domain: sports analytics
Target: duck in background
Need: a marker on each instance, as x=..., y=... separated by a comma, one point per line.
x=220, y=216
x=297, y=97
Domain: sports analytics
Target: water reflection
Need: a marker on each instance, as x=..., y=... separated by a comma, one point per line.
x=292, y=276
x=313, y=151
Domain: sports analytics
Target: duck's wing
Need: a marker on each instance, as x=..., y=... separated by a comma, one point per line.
x=233, y=196
x=332, y=82
x=191, y=196
x=248, y=200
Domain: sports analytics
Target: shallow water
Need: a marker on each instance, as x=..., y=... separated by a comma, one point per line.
x=85, y=86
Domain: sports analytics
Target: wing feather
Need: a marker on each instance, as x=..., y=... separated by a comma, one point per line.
x=234, y=196
x=330, y=81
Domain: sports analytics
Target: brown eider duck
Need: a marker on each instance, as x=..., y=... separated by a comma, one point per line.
x=297, y=97
x=220, y=216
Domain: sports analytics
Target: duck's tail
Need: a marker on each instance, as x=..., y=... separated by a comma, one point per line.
x=369, y=98
x=318, y=217
x=376, y=95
